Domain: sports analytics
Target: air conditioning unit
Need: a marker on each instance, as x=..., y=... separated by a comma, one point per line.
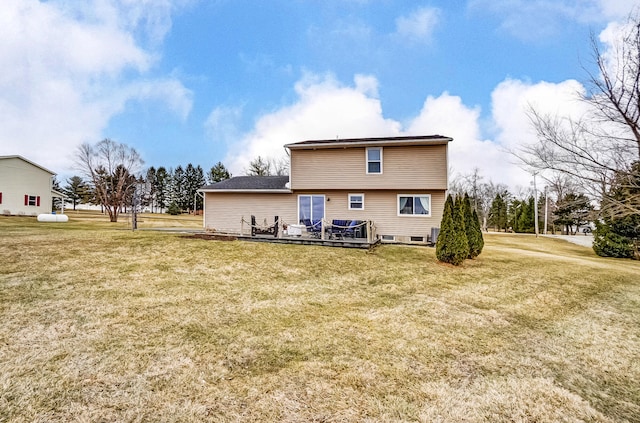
x=434, y=235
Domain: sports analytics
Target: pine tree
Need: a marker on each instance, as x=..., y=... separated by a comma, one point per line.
x=178, y=192
x=449, y=249
x=218, y=173
x=151, y=188
x=161, y=187
x=259, y=167
x=609, y=243
x=472, y=226
x=76, y=190
x=459, y=224
x=498, y=213
x=616, y=230
x=193, y=181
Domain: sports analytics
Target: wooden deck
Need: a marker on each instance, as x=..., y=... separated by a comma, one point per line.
x=360, y=243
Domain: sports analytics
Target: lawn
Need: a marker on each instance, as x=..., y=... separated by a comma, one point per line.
x=100, y=323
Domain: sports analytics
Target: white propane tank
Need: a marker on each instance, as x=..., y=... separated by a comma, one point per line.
x=53, y=218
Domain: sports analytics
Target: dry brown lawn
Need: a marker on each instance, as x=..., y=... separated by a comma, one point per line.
x=99, y=323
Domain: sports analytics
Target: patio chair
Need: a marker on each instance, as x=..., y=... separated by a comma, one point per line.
x=350, y=231
x=315, y=228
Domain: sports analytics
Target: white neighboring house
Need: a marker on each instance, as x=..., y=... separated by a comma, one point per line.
x=25, y=187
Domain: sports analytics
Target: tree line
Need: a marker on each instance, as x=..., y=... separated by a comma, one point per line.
x=566, y=208
x=599, y=151
x=111, y=178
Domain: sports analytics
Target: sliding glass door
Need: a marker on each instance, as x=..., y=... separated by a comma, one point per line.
x=310, y=207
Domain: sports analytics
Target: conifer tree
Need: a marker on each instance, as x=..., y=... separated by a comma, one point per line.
x=460, y=226
x=472, y=225
x=498, y=212
x=218, y=173
x=448, y=247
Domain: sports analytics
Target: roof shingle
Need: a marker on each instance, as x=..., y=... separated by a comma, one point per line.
x=251, y=183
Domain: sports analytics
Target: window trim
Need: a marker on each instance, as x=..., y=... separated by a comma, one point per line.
x=367, y=161
x=29, y=199
x=412, y=214
x=324, y=207
x=349, y=201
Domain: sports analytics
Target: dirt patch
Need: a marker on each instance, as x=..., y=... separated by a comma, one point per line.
x=213, y=237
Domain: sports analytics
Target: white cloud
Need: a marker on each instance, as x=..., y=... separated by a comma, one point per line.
x=419, y=25
x=533, y=19
x=512, y=99
x=324, y=109
x=614, y=9
x=447, y=115
x=222, y=123
x=169, y=91
x=63, y=73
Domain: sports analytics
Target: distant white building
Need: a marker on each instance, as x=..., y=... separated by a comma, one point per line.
x=26, y=188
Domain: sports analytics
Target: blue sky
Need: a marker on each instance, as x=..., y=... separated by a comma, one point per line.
x=206, y=81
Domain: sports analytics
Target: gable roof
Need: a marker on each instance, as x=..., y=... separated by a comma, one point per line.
x=28, y=161
x=250, y=184
x=370, y=142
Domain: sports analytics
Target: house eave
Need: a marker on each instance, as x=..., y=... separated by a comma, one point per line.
x=30, y=162
x=370, y=142
x=252, y=191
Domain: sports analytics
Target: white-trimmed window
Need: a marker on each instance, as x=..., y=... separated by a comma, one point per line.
x=374, y=160
x=32, y=200
x=310, y=209
x=414, y=205
x=356, y=201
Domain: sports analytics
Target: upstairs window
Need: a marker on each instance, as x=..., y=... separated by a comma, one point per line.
x=414, y=205
x=374, y=160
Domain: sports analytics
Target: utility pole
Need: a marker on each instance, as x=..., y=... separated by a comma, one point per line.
x=535, y=202
x=546, y=208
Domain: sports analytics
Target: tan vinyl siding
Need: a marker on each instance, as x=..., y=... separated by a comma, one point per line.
x=403, y=167
x=224, y=211
x=381, y=207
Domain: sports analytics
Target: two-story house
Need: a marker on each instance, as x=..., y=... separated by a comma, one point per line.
x=398, y=183
x=25, y=187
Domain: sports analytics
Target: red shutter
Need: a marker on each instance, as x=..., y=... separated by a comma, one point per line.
x=38, y=201
x=26, y=200
x=0, y=198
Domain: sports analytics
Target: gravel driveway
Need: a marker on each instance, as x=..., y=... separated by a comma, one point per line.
x=581, y=239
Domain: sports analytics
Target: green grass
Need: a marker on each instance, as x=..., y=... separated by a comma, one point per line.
x=99, y=323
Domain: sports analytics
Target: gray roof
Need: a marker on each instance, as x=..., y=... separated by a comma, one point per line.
x=377, y=141
x=250, y=183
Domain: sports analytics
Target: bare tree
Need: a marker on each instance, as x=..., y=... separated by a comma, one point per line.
x=481, y=193
x=600, y=148
x=259, y=167
x=487, y=191
x=110, y=167
x=279, y=166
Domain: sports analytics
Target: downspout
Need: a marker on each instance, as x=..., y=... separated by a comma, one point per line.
x=288, y=152
x=204, y=207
